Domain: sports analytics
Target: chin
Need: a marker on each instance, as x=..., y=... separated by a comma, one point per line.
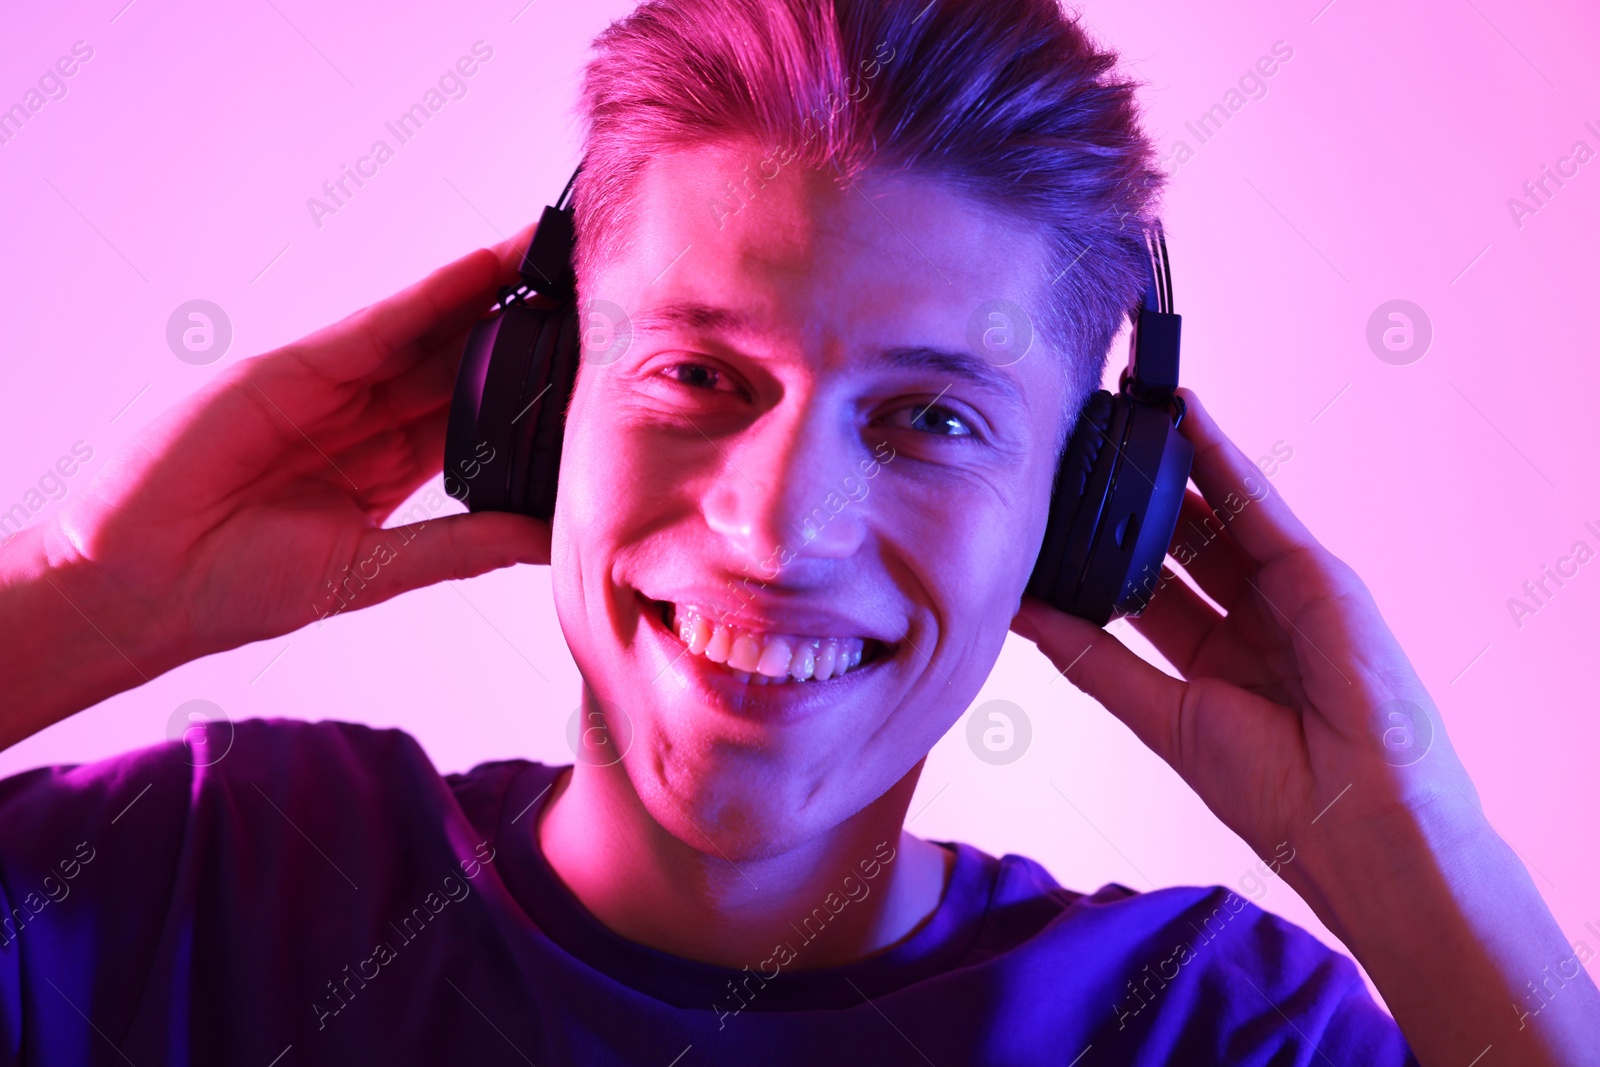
x=734, y=812
x=744, y=769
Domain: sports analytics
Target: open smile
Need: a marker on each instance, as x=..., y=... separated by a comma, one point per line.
x=761, y=657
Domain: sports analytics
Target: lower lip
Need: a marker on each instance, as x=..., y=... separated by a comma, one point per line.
x=790, y=698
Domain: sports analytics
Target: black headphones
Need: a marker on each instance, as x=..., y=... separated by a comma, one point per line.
x=1118, y=485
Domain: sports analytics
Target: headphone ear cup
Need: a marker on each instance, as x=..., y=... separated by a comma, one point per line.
x=479, y=439
x=1141, y=516
x=1103, y=552
x=536, y=480
x=531, y=393
x=1068, y=499
x=507, y=384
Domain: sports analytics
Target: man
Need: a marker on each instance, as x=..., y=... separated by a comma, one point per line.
x=798, y=204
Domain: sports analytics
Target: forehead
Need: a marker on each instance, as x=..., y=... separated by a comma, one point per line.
x=802, y=255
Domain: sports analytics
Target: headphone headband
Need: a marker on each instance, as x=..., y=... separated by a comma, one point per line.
x=1152, y=373
x=547, y=264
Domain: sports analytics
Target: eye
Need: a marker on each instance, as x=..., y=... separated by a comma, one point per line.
x=699, y=376
x=933, y=419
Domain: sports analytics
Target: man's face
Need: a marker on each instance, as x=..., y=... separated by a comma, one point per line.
x=802, y=439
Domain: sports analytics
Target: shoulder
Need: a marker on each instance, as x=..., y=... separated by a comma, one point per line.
x=1199, y=970
x=1244, y=979
x=139, y=809
x=263, y=855
x=212, y=756
x=1147, y=921
x=236, y=787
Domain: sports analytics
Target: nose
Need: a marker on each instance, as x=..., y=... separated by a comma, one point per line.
x=790, y=481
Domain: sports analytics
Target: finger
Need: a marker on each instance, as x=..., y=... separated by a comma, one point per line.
x=1200, y=643
x=1262, y=524
x=385, y=467
x=1206, y=550
x=422, y=387
x=416, y=387
x=419, y=458
x=508, y=255
x=411, y=322
x=1145, y=698
x=402, y=558
x=511, y=250
x=1178, y=622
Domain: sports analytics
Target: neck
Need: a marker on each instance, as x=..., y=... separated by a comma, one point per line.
x=859, y=887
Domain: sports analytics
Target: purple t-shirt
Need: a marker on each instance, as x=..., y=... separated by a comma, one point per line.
x=319, y=893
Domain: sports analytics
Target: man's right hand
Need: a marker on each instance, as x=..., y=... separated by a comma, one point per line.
x=234, y=516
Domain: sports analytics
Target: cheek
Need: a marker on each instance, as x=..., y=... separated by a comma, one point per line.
x=592, y=514
x=602, y=470
x=975, y=542
x=965, y=562
x=620, y=487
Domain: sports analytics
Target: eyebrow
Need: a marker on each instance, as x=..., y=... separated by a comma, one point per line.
x=954, y=363
x=693, y=316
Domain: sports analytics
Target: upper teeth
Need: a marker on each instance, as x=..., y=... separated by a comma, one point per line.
x=762, y=656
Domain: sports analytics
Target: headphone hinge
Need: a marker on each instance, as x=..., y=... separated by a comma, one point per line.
x=547, y=264
x=1152, y=372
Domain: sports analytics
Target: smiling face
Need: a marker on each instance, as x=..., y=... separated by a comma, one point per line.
x=800, y=465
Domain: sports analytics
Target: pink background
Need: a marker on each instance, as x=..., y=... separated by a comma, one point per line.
x=1377, y=167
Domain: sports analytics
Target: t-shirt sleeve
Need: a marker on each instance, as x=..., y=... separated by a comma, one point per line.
x=129, y=883
x=1272, y=985
x=88, y=855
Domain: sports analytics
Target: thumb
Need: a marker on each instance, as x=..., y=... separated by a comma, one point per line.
x=455, y=546
x=1145, y=698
